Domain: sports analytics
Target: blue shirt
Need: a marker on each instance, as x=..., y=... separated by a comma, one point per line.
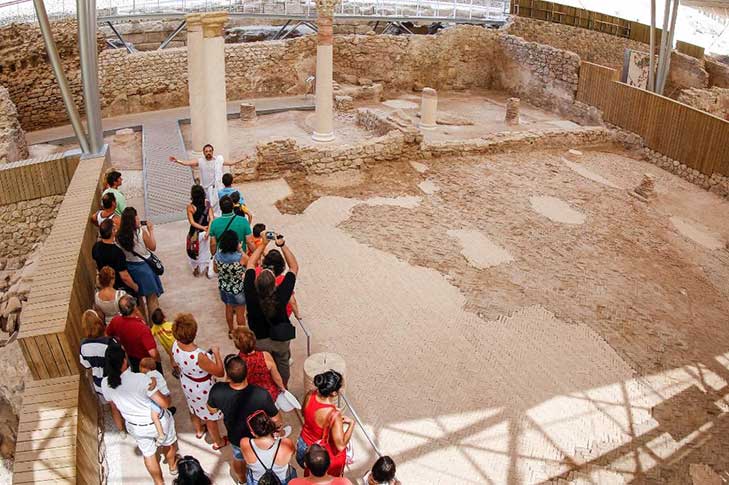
x=227, y=191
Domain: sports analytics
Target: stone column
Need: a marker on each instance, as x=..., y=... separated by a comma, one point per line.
x=324, y=122
x=428, y=109
x=196, y=80
x=216, y=116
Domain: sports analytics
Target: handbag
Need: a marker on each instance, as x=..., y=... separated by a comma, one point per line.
x=192, y=242
x=153, y=262
x=337, y=458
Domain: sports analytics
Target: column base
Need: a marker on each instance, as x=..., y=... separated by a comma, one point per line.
x=322, y=137
x=427, y=127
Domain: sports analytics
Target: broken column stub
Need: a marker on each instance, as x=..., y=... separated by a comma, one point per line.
x=646, y=190
x=428, y=109
x=247, y=112
x=512, y=111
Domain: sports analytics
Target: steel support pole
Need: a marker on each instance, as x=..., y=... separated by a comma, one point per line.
x=89, y=71
x=55, y=60
x=652, y=51
x=664, y=37
x=118, y=36
x=669, y=48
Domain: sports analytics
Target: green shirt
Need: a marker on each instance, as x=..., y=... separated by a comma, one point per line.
x=121, y=201
x=240, y=226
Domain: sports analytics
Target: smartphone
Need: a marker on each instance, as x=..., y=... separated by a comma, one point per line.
x=270, y=235
x=144, y=223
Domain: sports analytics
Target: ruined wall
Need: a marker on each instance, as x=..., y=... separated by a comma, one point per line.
x=25, y=223
x=714, y=100
x=28, y=76
x=542, y=75
x=718, y=72
x=12, y=138
x=607, y=50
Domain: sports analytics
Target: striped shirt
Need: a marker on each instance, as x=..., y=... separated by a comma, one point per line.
x=93, y=356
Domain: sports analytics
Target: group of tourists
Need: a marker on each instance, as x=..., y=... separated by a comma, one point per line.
x=126, y=333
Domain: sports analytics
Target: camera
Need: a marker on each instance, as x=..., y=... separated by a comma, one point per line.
x=270, y=235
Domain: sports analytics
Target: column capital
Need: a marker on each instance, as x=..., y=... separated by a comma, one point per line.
x=213, y=23
x=325, y=8
x=193, y=20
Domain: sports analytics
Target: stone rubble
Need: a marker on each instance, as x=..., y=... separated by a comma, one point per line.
x=512, y=111
x=13, y=146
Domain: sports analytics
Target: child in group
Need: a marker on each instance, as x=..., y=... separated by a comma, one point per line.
x=149, y=367
x=228, y=186
x=257, y=238
x=162, y=331
x=382, y=473
x=239, y=206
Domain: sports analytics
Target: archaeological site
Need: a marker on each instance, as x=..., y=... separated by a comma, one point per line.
x=364, y=242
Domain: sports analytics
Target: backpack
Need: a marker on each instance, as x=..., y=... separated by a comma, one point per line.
x=269, y=474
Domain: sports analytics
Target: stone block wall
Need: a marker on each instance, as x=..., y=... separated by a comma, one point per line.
x=543, y=75
x=607, y=50
x=12, y=138
x=718, y=72
x=714, y=100
x=143, y=81
x=26, y=73
x=25, y=223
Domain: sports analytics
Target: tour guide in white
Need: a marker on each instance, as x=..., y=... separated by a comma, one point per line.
x=130, y=393
x=211, y=173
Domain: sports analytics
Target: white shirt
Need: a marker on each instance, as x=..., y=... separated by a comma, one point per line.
x=161, y=382
x=131, y=397
x=211, y=172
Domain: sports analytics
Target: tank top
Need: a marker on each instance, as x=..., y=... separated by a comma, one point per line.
x=311, y=431
x=100, y=218
x=200, y=216
x=111, y=307
x=258, y=373
x=266, y=457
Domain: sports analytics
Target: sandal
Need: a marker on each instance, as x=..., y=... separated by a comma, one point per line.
x=174, y=471
x=225, y=443
x=201, y=435
x=230, y=334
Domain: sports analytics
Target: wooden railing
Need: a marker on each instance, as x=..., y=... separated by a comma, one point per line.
x=36, y=178
x=50, y=331
x=693, y=137
x=58, y=433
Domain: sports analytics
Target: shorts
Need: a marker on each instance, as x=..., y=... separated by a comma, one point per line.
x=237, y=454
x=233, y=299
x=145, y=434
x=301, y=448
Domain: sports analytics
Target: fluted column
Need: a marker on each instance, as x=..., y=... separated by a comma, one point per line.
x=324, y=123
x=196, y=80
x=216, y=118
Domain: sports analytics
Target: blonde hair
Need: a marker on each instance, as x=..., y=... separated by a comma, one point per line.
x=148, y=363
x=184, y=328
x=92, y=324
x=244, y=339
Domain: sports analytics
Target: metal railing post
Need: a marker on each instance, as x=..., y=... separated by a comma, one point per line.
x=361, y=426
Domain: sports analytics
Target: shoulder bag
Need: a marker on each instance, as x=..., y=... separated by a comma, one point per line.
x=153, y=261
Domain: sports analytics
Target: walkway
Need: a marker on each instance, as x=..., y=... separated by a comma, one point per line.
x=167, y=184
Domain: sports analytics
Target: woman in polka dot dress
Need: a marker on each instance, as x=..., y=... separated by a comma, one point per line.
x=197, y=369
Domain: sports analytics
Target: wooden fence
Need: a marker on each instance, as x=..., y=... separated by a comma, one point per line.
x=36, y=178
x=58, y=433
x=691, y=136
x=50, y=333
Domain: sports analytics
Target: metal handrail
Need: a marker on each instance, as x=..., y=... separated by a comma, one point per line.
x=307, y=332
x=359, y=423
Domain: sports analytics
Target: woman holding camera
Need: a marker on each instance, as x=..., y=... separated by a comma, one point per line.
x=137, y=243
x=266, y=304
x=229, y=263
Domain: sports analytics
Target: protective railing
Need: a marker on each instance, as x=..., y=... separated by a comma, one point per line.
x=494, y=11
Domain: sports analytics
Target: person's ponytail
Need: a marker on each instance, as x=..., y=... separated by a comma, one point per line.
x=113, y=362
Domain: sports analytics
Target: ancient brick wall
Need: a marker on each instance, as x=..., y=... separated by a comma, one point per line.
x=607, y=50
x=542, y=75
x=25, y=223
x=718, y=72
x=26, y=73
x=12, y=138
x=714, y=100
